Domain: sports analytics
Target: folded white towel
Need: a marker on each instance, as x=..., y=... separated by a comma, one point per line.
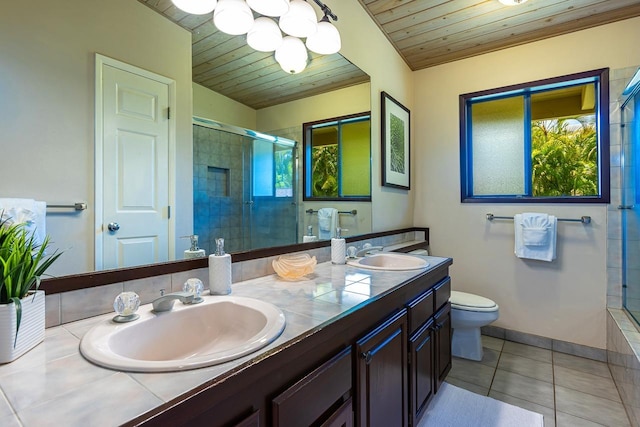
x=31, y=213
x=535, y=236
x=327, y=222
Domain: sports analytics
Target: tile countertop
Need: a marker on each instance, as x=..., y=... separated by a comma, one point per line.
x=54, y=385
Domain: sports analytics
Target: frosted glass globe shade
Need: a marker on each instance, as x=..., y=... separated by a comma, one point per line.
x=265, y=35
x=233, y=17
x=300, y=20
x=326, y=40
x=292, y=55
x=196, y=7
x=269, y=7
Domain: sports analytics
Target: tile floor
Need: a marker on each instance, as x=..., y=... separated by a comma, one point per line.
x=569, y=391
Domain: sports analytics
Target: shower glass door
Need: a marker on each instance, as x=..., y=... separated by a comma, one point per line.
x=270, y=207
x=630, y=133
x=244, y=188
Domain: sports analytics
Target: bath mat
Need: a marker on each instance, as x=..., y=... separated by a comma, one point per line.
x=456, y=407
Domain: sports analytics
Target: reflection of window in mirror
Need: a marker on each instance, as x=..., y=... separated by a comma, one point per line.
x=272, y=169
x=337, y=158
x=544, y=141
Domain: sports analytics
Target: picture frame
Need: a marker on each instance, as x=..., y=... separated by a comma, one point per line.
x=396, y=144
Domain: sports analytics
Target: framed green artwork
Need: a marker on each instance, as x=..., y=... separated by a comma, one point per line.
x=395, y=138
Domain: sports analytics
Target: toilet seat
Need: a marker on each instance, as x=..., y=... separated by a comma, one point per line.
x=470, y=302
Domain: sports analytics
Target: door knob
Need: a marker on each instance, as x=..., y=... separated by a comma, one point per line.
x=113, y=226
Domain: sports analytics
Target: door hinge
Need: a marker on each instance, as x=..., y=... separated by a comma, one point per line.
x=168, y=113
x=168, y=212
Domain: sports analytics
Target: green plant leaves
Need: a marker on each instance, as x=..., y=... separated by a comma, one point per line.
x=22, y=263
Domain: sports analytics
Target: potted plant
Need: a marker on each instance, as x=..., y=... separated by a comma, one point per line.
x=22, y=263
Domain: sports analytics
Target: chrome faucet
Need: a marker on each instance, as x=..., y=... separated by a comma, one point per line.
x=367, y=250
x=165, y=302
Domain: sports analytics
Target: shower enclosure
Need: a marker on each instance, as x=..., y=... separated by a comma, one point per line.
x=244, y=185
x=630, y=137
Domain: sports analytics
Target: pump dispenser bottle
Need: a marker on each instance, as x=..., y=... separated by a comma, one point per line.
x=194, y=251
x=220, y=270
x=309, y=237
x=338, y=248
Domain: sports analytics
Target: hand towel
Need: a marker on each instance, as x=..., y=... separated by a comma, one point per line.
x=327, y=222
x=31, y=213
x=535, y=236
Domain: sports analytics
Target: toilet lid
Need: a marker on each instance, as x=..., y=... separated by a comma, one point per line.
x=471, y=302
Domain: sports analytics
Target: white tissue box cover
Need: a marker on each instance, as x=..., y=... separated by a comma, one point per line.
x=31, y=331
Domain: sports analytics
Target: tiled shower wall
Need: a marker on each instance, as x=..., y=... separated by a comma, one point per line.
x=223, y=204
x=220, y=186
x=623, y=339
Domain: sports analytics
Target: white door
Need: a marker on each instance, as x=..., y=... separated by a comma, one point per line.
x=135, y=170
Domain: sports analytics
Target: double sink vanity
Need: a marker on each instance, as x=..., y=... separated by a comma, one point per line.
x=346, y=345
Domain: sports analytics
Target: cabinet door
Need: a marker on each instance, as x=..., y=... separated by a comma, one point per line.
x=382, y=374
x=421, y=370
x=308, y=401
x=343, y=417
x=252, y=420
x=443, y=343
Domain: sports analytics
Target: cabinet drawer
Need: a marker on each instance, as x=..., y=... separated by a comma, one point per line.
x=442, y=293
x=307, y=400
x=420, y=309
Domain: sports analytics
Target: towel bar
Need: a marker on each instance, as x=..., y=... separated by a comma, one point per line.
x=583, y=219
x=79, y=206
x=353, y=212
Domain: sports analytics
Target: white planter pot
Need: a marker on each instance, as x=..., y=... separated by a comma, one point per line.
x=31, y=331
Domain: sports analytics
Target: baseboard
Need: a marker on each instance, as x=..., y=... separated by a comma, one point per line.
x=587, y=352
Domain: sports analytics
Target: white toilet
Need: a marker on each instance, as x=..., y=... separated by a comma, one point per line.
x=469, y=313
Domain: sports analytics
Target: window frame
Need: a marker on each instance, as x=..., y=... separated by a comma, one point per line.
x=306, y=159
x=601, y=77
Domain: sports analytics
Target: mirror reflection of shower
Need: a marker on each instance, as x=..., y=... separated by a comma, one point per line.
x=244, y=185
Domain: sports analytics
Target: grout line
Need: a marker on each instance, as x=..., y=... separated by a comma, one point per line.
x=553, y=381
x=495, y=371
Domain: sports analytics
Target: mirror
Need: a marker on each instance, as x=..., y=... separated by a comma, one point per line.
x=48, y=112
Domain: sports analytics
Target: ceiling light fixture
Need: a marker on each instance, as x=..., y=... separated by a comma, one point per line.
x=512, y=2
x=196, y=7
x=295, y=18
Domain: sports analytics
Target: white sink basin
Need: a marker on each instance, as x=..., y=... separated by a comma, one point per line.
x=220, y=329
x=389, y=261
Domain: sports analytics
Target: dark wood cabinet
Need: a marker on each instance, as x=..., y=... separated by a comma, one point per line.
x=252, y=420
x=319, y=397
x=422, y=379
x=342, y=417
x=377, y=365
x=382, y=374
x=442, y=339
x=429, y=346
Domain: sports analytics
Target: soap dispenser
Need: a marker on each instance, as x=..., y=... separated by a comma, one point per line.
x=219, y=270
x=194, y=251
x=309, y=237
x=338, y=248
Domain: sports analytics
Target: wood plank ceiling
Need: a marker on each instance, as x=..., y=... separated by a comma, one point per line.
x=227, y=65
x=433, y=32
x=425, y=33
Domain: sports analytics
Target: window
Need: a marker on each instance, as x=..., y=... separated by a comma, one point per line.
x=337, y=158
x=543, y=141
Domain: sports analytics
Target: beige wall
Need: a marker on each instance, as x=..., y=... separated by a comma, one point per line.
x=47, y=109
x=211, y=105
x=566, y=299
x=364, y=44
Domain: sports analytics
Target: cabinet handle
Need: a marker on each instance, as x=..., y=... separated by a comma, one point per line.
x=367, y=357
